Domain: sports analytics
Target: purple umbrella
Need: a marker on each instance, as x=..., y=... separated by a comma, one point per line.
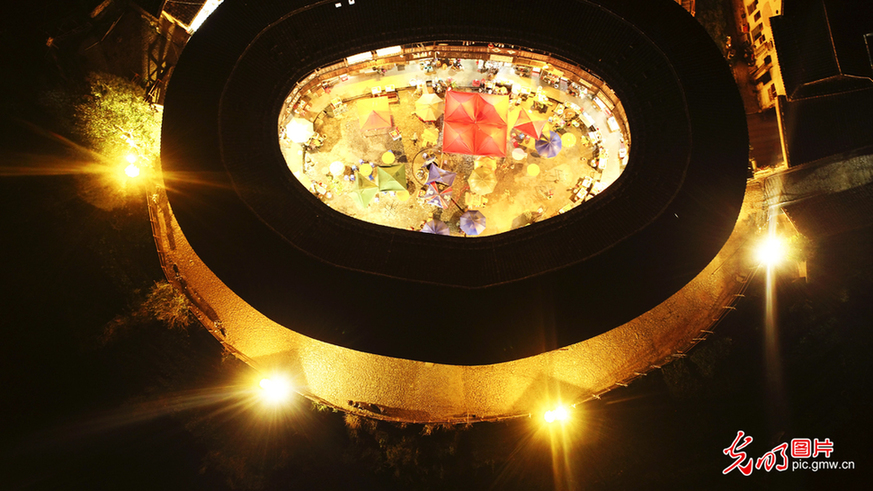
x=437, y=197
x=473, y=222
x=548, y=145
x=435, y=174
x=435, y=227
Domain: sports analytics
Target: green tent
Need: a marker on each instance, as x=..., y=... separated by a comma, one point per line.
x=391, y=178
x=364, y=190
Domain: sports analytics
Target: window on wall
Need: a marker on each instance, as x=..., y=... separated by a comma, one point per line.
x=771, y=91
x=752, y=6
x=756, y=32
x=758, y=15
x=765, y=78
x=768, y=59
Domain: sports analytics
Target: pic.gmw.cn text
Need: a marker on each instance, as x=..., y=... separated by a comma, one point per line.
x=796, y=455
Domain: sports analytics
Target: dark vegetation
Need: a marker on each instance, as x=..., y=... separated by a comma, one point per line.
x=716, y=18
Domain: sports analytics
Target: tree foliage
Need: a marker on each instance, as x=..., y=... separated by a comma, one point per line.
x=112, y=116
x=168, y=305
x=107, y=114
x=109, y=119
x=164, y=305
x=799, y=248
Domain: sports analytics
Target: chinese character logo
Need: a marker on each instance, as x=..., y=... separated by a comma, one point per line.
x=777, y=458
x=735, y=452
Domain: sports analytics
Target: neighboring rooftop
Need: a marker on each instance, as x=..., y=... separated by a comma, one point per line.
x=183, y=11
x=827, y=176
x=824, y=56
x=820, y=127
x=822, y=46
x=153, y=7
x=825, y=215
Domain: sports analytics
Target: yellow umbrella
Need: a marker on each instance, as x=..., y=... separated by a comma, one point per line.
x=366, y=170
x=482, y=180
x=402, y=195
x=485, y=162
x=533, y=170
x=568, y=139
x=388, y=157
x=430, y=135
x=429, y=107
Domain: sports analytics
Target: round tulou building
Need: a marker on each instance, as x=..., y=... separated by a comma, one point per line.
x=306, y=145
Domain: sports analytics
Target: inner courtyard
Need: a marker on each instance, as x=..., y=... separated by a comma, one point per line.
x=368, y=136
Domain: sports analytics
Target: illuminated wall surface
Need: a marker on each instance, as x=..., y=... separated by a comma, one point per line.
x=443, y=299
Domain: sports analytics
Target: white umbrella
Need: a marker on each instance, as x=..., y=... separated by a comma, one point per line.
x=337, y=168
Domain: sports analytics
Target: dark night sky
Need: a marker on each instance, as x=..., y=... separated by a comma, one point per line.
x=79, y=414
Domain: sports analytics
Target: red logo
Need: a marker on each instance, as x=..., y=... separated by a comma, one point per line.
x=825, y=447
x=800, y=448
x=734, y=452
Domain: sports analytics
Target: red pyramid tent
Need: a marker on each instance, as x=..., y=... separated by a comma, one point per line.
x=475, y=124
x=490, y=140
x=534, y=128
x=373, y=113
x=492, y=109
x=461, y=106
x=517, y=116
x=459, y=137
x=523, y=121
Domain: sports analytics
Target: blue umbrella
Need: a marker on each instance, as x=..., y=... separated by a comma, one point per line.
x=549, y=144
x=473, y=222
x=435, y=174
x=435, y=227
x=436, y=196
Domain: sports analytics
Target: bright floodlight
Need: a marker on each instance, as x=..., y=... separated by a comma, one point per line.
x=131, y=170
x=275, y=390
x=771, y=251
x=560, y=413
x=299, y=130
x=131, y=158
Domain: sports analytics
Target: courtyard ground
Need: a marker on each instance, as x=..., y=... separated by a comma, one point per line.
x=518, y=199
